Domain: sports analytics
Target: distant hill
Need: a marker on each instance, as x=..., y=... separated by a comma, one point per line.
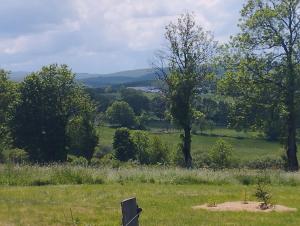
x=138, y=77
x=141, y=76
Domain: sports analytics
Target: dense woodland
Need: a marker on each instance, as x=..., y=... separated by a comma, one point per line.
x=248, y=84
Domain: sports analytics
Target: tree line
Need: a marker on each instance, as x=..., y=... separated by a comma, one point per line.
x=261, y=65
x=50, y=115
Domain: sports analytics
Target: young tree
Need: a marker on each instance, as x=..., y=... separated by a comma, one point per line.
x=263, y=72
x=120, y=113
x=123, y=145
x=49, y=100
x=184, y=67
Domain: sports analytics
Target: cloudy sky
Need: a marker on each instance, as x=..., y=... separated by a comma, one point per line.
x=99, y=36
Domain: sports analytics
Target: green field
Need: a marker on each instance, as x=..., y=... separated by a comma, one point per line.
x=73, y=195
x=247, y=146
x=163, y=205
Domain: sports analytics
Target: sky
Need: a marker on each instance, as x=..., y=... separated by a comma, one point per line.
x=99, y=36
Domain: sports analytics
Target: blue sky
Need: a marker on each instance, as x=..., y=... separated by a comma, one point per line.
x=99, y=36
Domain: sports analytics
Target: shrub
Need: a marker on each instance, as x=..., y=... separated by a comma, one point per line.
x=220, y=155
x=77, y=161
x=101, y=151
x=123, y=145
x=121, y=114
x=159, y=152
x=263, y=195
x=142, y=144
x=266, y=163
x=17, y=156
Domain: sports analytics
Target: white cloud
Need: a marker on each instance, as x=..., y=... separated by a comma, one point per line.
x=99, y=35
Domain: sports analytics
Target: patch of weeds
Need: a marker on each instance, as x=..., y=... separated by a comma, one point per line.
x=246, y=179
x=41, y=182
x=189, y=180
x=211, y=203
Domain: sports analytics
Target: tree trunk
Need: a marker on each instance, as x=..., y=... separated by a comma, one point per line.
x=187, y=140
x=292, y=144
x=291, y=120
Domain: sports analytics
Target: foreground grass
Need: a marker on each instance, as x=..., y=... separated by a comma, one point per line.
x=75, y=175
x=163, y=205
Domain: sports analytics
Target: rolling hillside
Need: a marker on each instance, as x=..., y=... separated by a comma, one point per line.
x=132, y=77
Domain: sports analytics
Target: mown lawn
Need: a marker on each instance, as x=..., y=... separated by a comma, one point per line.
x=247, y=146
x=163, y=205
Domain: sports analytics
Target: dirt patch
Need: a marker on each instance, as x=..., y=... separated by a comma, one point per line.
x=240, y=206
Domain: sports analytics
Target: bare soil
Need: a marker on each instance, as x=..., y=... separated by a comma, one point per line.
x=241, y=206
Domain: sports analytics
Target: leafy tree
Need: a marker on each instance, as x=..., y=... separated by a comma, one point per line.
x=188, y=56
x=8, y=98
x=158, y=106
x=120, y=113
x=220, y=154
x=49, y=100
x=136, y=99
x=142, y=143
x=82, y=137
x=123, y=145
x=263, y=70
x=159, y=152
x=102, y=99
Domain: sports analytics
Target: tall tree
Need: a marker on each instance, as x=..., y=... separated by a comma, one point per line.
x=184, y=67
x=264, y=69
x=8, y=98
x=49, y=100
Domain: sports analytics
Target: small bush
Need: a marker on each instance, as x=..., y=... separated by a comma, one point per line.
x=266, y=163
x=160, y=152
x=221, y=155
x=17, y=156
x=77, y=161
x=263, y=195
x=101, y=151
x=142, y=144
x=246, y=179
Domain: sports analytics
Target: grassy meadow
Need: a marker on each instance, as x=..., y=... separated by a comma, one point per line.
x=166, y=198
x=74, y=195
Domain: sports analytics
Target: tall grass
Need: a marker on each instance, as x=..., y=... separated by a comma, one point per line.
x=17, y=175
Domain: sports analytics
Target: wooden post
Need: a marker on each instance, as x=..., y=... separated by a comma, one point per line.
x=130, y=212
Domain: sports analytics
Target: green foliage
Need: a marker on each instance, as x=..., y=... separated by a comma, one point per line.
x=82, y=136
x=8, y=98
x=142, y=120
x=123, y=145
x=16, y=156
x=220, y=155
x=120, y=113
x=262, y=71
x=49, y=99
x=190, y=50
x=142, y=144
x=263, y=195
x=266, y=163
x=136, y=100
x=159, y=152
x=158, y=106
x=77, y=161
